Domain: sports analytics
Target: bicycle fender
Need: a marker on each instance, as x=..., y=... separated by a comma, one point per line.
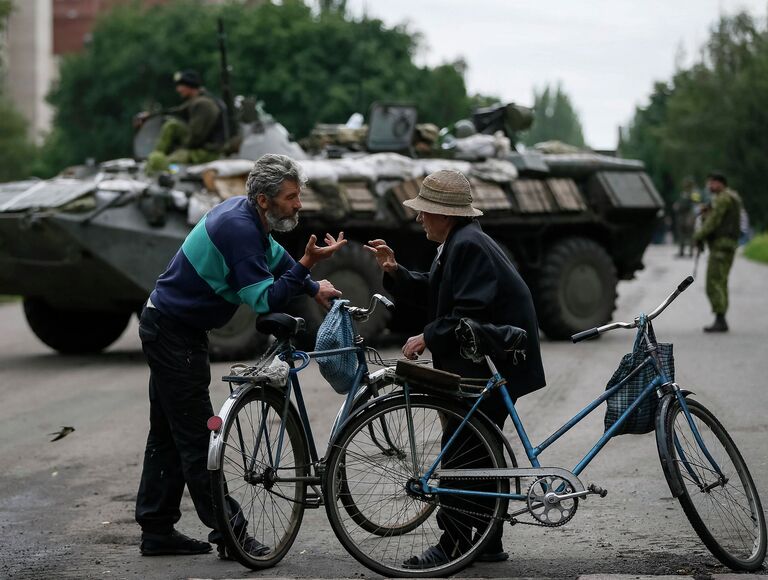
x=216, y=442
x=661, y=437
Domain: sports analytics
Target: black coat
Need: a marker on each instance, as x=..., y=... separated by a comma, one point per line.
x=473, y=278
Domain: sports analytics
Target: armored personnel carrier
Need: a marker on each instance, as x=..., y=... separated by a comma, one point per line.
x=84, y=249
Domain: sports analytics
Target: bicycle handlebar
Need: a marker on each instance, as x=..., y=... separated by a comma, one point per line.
x=361, y=314
x=592, y=332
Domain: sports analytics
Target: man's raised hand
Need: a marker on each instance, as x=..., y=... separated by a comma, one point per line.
x=385, y=256
x=314, y=253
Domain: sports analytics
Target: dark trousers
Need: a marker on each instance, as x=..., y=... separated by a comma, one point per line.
x=180, y=405
x=466, y=453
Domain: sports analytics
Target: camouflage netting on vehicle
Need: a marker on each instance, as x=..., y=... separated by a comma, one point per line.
x=338, y=187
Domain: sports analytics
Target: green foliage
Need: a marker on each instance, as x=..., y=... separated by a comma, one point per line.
x=713, y=115
x=306, y=67
x=554, y=118
x=757, y=249
x=5, y=9
x=17, y=153
x=643, y=140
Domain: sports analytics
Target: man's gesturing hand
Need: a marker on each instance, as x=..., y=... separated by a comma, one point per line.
x=385, y=256
x=326, y=293
x=314, y=253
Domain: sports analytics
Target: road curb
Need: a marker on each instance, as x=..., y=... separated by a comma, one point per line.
x=584, y=577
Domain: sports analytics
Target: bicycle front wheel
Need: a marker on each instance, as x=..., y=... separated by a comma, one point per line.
x=257, y=496
x=723, y=507
x=384, y=442
x=375, y=466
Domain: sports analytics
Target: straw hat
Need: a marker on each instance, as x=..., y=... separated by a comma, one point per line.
x=444, y=192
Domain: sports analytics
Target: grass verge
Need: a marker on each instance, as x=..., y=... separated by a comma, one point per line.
x=757, y=249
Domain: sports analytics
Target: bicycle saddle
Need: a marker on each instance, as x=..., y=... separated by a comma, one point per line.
x=500, y=342
x=280, y=325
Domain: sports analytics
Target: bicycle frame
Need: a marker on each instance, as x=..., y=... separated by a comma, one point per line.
x=295, y=386
x=533, y=452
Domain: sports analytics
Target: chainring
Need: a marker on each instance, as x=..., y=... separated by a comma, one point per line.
x=545, y=507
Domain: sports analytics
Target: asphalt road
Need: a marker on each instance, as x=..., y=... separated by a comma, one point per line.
x=66, y=507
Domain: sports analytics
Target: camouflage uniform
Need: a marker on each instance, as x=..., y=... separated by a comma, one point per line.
x=685, y=218
x=195, y=134
x=720, y=230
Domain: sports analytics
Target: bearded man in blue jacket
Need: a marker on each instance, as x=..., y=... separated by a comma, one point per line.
x=228, y=259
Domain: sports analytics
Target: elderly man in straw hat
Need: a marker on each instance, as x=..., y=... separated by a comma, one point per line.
x=470, y=277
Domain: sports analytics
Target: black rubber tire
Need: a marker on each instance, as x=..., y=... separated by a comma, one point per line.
x=347, y=499
x=355, y=273
x=747, y=518
x=230, y=480
x=238, y=339
x=575, y=288
x=71, y=331
x=394, y=470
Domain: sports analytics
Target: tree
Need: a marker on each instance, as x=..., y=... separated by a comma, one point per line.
x=712, y=115
x=306, y=67
x=17, y=153
x=643, y=139
x=554, y=118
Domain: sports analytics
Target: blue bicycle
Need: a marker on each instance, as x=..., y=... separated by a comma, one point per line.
x=452, y=460
x=262, y=457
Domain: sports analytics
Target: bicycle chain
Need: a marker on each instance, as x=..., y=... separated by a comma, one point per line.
x=512, y=520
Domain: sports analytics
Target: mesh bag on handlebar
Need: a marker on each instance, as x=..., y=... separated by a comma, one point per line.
x=336, y=332
x=642, y=419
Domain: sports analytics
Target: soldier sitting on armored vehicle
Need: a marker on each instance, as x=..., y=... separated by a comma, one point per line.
x=196, y=130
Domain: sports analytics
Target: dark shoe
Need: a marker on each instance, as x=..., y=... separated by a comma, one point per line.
x=719, y=325
x=499, y=556
x=432, y=557
x=251, y=545
x=173, y=544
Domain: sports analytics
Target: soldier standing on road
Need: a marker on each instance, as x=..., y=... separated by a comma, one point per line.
x=228, y=259
x=685, y=216
x=196, y=130
x=471, y=277
x=721, y=230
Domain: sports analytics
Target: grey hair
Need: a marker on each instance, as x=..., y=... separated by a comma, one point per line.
x=268, y=174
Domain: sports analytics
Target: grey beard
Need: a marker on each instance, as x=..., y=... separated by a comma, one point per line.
x=285, y=224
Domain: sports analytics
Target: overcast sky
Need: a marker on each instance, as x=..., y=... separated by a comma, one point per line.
x=606, y=53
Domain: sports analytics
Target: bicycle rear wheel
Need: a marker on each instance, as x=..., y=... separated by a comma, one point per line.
x=379, y=481
x=724, y=511
x=252, y=496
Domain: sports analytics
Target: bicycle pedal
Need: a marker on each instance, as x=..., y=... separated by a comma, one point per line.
x=597, y=490
x=313, y=501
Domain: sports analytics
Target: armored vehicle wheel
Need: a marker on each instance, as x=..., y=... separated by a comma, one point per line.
x=576, y=288
x=356, y=274
x=71, y=331
x=238, y=339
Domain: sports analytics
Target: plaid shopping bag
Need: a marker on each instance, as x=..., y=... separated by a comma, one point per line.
x=642, y=419
x=336, y=331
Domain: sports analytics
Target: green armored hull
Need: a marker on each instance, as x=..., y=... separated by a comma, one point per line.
x=85, y=253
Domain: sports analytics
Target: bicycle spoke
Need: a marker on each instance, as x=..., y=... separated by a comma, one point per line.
x=721, y=501
x=378, y=518
x=270, y=510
